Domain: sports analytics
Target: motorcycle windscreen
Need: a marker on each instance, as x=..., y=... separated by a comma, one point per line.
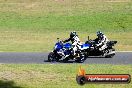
x=67, y=45
x=85, y=46
x=58, y=46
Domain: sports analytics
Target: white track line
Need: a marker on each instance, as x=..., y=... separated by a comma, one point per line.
x=123, y=51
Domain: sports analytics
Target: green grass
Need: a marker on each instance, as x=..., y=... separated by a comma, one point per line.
x=34, y=25
x=57, y=75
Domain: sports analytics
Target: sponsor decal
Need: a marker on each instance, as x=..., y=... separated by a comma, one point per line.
x=83, y=78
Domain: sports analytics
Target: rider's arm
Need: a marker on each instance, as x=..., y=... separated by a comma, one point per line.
x=102, y=41
x=67, y=40
x=76, y=41
x=96, y=40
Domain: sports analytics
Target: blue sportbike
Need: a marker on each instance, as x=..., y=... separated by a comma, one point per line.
x=63, y=51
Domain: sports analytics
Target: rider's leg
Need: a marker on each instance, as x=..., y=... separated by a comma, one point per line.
x=103, y=47
x=74, y=50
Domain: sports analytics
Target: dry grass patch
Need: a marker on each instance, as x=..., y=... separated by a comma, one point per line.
x=117, y=0
x=58, y=75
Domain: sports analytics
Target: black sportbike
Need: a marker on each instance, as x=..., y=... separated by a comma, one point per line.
x=93, y=50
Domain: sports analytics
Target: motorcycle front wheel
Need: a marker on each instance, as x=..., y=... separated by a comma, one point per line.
x=52, y=57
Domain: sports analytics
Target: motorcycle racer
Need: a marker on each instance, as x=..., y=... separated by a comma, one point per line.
x=101, y=41
x=75, y=41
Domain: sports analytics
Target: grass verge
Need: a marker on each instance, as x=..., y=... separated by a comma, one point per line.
x=34, y=25
x=58, y=75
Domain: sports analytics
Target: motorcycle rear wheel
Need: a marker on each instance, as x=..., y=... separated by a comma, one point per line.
x=81, y=59
x=110, y=56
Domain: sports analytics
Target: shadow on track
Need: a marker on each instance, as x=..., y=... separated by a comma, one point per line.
x=61, y=61
x=8, y=84
x=72, y=61
x=96, y=57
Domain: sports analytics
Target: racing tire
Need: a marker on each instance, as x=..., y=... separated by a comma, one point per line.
x=110, y=56
x=65, y=60
x=52, y=57
x=81, y=59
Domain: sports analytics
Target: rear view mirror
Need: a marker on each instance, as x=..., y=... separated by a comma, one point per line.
x=88, y=37
x=58, y=39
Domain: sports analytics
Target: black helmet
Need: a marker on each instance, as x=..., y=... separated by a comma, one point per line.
x=72, y=34
x=99, y=33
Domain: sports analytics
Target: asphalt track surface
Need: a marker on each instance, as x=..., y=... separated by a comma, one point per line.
x=41, y=58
